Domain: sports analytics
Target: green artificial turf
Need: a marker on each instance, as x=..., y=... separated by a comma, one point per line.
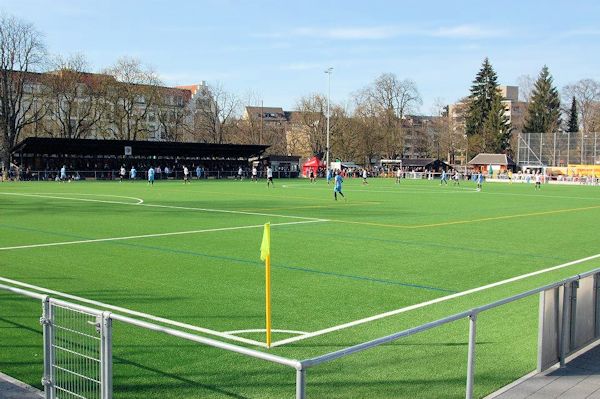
x=386, y=247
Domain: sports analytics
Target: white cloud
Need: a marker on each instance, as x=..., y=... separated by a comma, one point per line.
x=369, y=33
x=467, y=32
x=388, y=32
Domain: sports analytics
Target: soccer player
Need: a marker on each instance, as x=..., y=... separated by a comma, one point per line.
x=270, y=177
x=456, y=179
x=198, y=172
x=240, y=172
x=538, y=181
x=479, y=180
x=311, y=174
x=444, y=178
x=63, y=173
x=328, y=175
x=337, y=187
x=122, y=173
x=398, y=175
x=254, y=174
x=186, y=175
x=364, y=176
x=132, y=173
x=151, y=176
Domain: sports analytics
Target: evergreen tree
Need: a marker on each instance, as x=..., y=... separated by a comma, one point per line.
x=483, y=92
x=543, y=113
x=496, y=128
x=573, y=124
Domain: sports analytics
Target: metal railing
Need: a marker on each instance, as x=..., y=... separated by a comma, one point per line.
x=301, y=366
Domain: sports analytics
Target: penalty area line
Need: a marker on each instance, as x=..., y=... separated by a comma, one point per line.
x=431, y=302
x=175, y=233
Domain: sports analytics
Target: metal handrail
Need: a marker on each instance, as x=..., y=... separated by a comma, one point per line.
x=302, y=365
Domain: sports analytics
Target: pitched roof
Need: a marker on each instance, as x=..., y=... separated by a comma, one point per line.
x=491, y=159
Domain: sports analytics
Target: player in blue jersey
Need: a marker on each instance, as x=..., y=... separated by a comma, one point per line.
x=151, y=176
x=337, y=187
x=132, y=173
x=479, y=181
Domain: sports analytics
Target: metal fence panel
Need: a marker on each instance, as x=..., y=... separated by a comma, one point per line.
x=77, y=353
x=585, y=311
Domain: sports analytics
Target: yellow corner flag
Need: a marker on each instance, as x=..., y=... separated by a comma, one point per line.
x=265, y=255
x=265, y=247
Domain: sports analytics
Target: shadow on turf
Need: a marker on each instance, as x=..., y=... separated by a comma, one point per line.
x=152, y=387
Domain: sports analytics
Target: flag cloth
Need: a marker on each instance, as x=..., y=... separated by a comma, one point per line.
x=265, y=247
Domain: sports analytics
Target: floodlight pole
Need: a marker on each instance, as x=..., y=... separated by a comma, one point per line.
x=328, y=71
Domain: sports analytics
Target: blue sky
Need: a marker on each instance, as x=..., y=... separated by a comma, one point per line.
x=279, y=50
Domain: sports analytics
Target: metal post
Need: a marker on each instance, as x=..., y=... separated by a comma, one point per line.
x=106, y=356
x=301, y=384
x=568, y=150
x=328, y=71
x=554, y=151
x=595, y=142
x=46, y=322
x=519, y=149
x=541, y=148
x=471, y=355
x=566, y=309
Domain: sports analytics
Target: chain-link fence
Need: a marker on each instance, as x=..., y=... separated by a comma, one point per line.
x=558, y=149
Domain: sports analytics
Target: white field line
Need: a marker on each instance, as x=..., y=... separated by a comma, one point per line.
x=136, y=313
x=167, y=206
x=259, y=330
x=176, y=233
x=139, y=200
x=428, y=303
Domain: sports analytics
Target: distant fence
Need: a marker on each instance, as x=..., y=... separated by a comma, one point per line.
x=558, y=149
x=569, y=315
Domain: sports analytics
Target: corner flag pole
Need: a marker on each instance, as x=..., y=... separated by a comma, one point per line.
x=265, y=255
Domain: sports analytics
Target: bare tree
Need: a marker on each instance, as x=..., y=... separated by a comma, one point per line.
x=132, y=96
x=392, y=99
x=173, y=115
x=587, y=96
x=310, y=117
x=215, y=114
x=76, y=98
x=22, y=53
x=525, y=83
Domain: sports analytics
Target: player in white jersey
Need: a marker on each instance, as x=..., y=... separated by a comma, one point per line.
x=122, y=173
x=254, y=174
x=269, y=177
x=186, y=175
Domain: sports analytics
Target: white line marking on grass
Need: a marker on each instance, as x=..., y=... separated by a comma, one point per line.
x=176, y=233
x=136, y=313
x=167, y=206
x=259, y=330
x=431, y=302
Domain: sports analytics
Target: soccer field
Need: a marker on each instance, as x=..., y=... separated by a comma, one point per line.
x=389, y=257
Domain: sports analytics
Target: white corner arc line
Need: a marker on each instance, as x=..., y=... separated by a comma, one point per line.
x=136, y=313
x=168, y=206
x=176, y=233
x=431, y=302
